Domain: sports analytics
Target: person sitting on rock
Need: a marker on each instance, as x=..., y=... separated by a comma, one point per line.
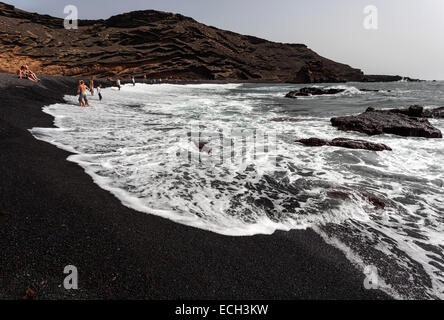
x=26, y=73
x=31, y=75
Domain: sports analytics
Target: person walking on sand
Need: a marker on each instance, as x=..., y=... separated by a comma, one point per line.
x=118, y=83
x=99, y=91
x=81, y=90
x=134, y=81
x=91, y=85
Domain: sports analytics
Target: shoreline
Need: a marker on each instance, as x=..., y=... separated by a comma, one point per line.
x=54, y=215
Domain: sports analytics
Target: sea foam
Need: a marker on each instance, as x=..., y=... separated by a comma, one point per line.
x=129, y=143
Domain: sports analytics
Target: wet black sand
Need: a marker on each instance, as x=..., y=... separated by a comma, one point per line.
x=53, y=215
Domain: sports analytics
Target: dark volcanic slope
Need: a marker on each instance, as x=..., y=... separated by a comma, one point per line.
x=159, y=44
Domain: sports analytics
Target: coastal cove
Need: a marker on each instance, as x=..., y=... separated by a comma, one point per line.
x=54, y=215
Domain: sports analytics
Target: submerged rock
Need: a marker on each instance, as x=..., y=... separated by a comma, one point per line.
x=345, y=194
x=359, y=144
x=313, y=142
x=287, y=119
x=402, y=122
x=346, y=143
x=305, y=92
x=374, y=90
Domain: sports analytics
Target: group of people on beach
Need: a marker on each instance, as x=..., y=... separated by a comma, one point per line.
x=25, y=73
x=133, y=81
x=83, y=89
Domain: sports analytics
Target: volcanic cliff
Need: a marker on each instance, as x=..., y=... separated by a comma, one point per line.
x=158, y=44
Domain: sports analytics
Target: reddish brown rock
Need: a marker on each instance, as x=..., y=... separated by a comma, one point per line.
x=29, y=294
x=158, y=44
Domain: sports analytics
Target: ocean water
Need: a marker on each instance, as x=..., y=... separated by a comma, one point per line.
x=214, y=157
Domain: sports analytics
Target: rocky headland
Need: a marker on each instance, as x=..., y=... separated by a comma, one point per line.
x=159, y=45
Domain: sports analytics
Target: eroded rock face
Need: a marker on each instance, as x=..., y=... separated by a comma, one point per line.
x=403, y=123
x=345, y=143
x=158, y=44
x=319, y=72
x=306, y=92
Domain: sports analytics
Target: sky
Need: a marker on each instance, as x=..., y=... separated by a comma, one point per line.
x=408, y=41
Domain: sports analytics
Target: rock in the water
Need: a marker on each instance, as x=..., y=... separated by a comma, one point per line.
x=203, y=146
x=420, y=112
x=434, y=113
x=359, y=144
x=387, y=78
x=344, y=194
x=345, y=143
x=416, y=111
x=375, y=201
x=287, y=119
x=403, y=123
x=313, y=142
x=305, y=92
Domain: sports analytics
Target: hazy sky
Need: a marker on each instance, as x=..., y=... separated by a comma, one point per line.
x=409, y=40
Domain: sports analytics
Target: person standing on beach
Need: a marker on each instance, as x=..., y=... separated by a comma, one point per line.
x=134, y=81
x=99, y=92
x=81, y=90
x=144, y=78
x=118, y=83
x=91, y=85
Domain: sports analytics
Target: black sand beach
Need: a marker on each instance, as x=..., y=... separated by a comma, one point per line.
x=53, y=215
